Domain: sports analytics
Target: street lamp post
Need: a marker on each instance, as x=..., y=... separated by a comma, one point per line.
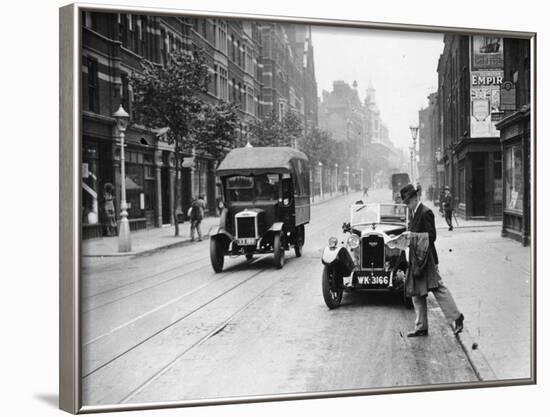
x=347, y=179
x=336, y=178
x=321, y=180
x=362, y=183
x=411, y=150
x=414, y=134
x=124, y=241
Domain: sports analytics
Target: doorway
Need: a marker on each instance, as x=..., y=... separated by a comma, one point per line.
x=478, y=185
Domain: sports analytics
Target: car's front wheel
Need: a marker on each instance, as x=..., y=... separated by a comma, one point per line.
x=333, y=287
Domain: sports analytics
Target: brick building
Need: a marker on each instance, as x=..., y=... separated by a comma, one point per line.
x=114, y=46
x=470, y=73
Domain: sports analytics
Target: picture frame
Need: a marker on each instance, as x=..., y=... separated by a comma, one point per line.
x=71, y=212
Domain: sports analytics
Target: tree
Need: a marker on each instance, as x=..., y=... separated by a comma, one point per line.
x=170, y=96
x=216, y=134
x=270, y=131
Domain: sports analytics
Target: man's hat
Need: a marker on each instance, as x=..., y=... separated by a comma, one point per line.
x=448, y=188
x=407, y=192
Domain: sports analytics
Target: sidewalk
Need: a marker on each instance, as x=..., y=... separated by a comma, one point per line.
x=440, y=222
x=490, y=279
x=149, y=240
x=144, y=241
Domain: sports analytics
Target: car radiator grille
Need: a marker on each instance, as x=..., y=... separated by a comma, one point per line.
x=372, y=251
x=246, y=227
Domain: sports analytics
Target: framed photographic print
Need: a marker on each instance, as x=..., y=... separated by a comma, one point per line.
x=258, y=208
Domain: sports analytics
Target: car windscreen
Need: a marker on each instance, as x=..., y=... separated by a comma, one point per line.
x=253, y=187
x=378, y=213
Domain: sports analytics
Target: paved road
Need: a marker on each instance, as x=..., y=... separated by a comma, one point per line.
x=165, y=327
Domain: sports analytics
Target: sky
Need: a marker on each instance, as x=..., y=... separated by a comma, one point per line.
x=401, y=65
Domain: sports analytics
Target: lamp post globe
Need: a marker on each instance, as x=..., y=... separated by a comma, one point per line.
x=124, y=241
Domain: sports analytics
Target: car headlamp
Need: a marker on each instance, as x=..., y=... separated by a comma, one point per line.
x=353, y=241
x=333, y=242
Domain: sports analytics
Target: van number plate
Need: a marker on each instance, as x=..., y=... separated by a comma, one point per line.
x=246, y=241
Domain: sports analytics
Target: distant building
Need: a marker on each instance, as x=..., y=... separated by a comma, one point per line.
x=429, y=143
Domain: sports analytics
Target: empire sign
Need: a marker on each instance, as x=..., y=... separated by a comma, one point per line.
x=481, y=80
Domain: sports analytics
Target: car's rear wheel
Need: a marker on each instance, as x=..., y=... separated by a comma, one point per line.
x=278, y=251
x=300, y=237
x=333, y=288
x=216, y=254
x=407, y=301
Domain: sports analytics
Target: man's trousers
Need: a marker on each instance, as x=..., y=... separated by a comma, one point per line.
x=445, y=301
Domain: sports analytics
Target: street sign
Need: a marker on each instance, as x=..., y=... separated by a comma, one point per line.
x=188, y=162
x=508, y=96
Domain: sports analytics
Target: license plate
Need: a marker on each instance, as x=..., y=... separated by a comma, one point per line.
x=246, y=241
x=374, y=280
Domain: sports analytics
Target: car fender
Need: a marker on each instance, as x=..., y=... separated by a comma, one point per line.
x=339, y=258
x=219, y=230
x=276, y=227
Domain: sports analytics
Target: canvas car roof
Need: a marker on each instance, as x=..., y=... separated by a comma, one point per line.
x=259, y=160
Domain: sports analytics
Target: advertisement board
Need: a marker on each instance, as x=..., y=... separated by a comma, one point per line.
x=487, y=52
x=485, y=101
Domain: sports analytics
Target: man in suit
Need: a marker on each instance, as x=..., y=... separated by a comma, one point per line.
x=448, y=207
x=428, y=279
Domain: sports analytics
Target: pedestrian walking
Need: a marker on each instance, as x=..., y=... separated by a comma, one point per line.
x=109, y=213
x=196, y=214
x=365, y=192
x=419, y=190
x=423, y=270
x=448, y=207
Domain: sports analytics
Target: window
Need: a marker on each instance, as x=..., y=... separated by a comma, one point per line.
x=281, y=111
x=215, y=82
x=123, y=29
x=90, y=20
x=93, y=86
x=239, y=54
x=249, y=99
x=233, y=48
x=223, y=92
x=514, y=178
x=221, y=36
x=163, y=47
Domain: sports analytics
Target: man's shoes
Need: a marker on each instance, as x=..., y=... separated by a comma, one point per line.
x=459, y=324
x=418, y=333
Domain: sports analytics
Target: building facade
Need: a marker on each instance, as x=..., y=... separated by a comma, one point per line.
x=470, y=74
x=515, y=137
x=114, y=46
x=428, y=145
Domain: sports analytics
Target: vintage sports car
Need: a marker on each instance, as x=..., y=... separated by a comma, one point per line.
x=266, y=204
x=367, y=259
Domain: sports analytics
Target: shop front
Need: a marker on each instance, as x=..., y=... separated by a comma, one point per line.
x=515, y=139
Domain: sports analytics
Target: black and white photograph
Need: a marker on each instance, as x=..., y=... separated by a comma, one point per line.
x=284, y=208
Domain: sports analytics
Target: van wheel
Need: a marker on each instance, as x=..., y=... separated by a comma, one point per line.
x=216, y=254
x=299, y=241
x=278, y=251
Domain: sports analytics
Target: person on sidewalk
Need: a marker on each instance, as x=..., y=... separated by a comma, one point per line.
x=109, y=213
x=421, y=279
x=196, y=214
x=448, y=207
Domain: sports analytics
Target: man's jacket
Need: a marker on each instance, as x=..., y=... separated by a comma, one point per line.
x=423, y=222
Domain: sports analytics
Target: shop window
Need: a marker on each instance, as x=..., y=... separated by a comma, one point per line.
x=514, y=178
x=497, y=169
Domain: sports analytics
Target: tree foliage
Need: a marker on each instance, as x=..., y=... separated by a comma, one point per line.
x=171, y=96
x=216, y=132
x=270, y=131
